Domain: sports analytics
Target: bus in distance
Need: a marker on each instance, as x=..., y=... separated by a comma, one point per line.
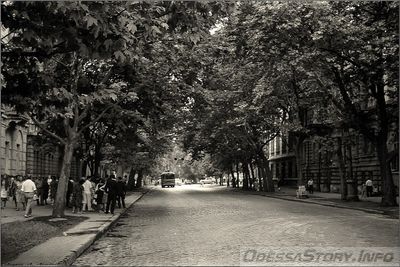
x=167, y=179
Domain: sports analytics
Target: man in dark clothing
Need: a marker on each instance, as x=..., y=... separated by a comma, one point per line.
x=111, y=189
x=121, y=192
x=69, y=191
x=45, y=191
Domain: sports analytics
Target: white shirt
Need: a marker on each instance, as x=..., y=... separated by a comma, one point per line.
x=28, y=186
x=368, y=183
x=310, y=182
x=87, y=186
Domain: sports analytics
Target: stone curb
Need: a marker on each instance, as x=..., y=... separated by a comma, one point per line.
x=70, y=259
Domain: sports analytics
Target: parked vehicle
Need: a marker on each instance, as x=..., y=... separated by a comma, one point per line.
x=207, y=181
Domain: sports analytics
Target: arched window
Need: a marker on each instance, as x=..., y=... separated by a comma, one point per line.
x=8, y=152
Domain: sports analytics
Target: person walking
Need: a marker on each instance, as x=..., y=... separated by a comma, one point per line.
x=29, y=189
x=310, y=185
x=87, y=195
x=369, y=187
x=121, y=192
x=53, y=189
x=4, y=192
x=12, y=191
x=111, y=189
x=100, y=187
x=70, y=188
x=20, y=197
x=77, y=196
x=45, y=191
x=38, y=184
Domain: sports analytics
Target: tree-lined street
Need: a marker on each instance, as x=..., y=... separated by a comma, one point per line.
x=194, y=225
x=102, y=99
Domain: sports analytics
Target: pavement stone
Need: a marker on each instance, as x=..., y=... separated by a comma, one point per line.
x=193, y=225
x=63, y=250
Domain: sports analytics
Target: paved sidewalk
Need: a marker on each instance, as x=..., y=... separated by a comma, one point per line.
x=63, y=250
x=370, y=204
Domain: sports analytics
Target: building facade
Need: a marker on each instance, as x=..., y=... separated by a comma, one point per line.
x=319, y=161
x=360, y=158
x=282, y=160
x=44, y=158
x=23, y=151
x=13, y=139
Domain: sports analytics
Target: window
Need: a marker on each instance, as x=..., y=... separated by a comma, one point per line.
x=18, y=157
x=272, y=170
x=366, y=145
x=277, y=168
x=283, y=172
x=313, y=154
x=7, y=158
x=278, y=145
x=291, y=143
x=284, y=144
x=272, y=147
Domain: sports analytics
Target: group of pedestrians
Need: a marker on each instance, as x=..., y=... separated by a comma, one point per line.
x=90, y=192
x=86, y=194
x=23, y=190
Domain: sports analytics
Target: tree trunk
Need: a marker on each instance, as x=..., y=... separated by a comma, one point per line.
x=237, y=175
x=268, y=183
x=342, y=169
x=227, y=181
x=297, y=152
x=220, y=179
x=260, y=177
x=139, y=179
x=233, y=178
x=90, y=165
x=131, y=179
x=84, y=167
x=97, y=159
x=245, y=176
x=326, y=186
x=252, y=175
x=59, y=205
x=353, y=193
x=388, y=189
x=318, y=187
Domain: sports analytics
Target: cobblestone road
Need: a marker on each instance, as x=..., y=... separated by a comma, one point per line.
x=194, y=225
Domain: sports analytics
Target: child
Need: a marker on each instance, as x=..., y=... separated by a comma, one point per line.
x=4, y=193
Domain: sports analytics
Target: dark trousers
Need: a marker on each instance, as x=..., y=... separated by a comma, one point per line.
x=43, y=198
x=111, y=200
x=68, y=198
x=121, y=198
x=369, y=191
x=311, y=189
